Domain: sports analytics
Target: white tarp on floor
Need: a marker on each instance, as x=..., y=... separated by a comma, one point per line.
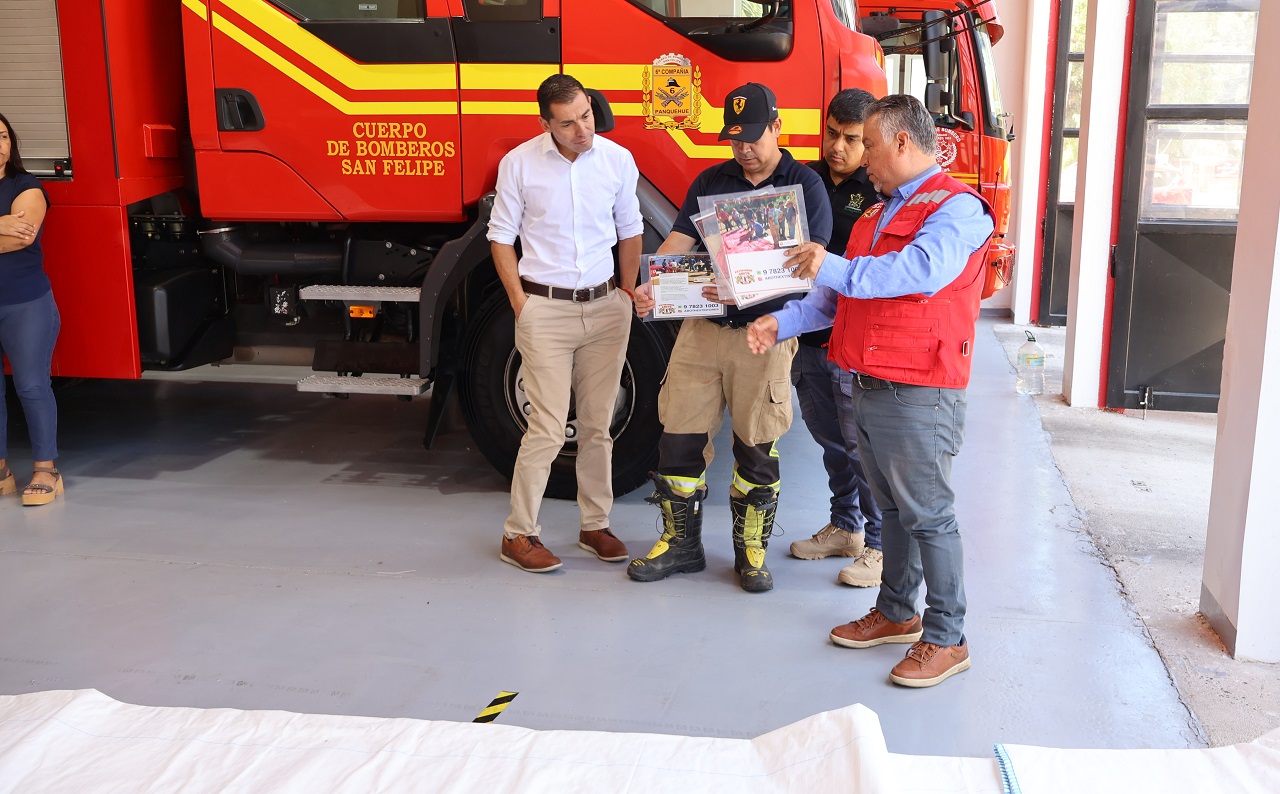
x=83, y=741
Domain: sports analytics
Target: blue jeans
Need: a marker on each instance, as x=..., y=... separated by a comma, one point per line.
x=909, y=436
x=27, y=335
x=826, y=413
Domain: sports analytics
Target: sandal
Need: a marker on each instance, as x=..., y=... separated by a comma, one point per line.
x=8, y=484
x=43, y=494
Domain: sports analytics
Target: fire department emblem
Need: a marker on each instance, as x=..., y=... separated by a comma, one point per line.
x=672, y=93
x=948, y=146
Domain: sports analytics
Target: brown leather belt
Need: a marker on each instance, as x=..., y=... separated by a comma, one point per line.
x=581, y=295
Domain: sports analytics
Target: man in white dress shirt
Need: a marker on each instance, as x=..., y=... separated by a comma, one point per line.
x=569, y=196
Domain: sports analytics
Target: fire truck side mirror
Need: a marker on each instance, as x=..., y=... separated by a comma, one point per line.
x=937, y=100
x=938, y=45
x=601, y=110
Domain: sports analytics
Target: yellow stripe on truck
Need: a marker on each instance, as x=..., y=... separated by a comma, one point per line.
x=499, y=108
x=508, y=76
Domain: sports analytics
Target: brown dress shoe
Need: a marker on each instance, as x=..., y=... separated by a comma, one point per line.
x=603, y=544
x=928, y=664
x=527, y=553
x=875, y=629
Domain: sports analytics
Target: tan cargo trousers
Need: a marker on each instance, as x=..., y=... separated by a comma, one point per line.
x=576, y=348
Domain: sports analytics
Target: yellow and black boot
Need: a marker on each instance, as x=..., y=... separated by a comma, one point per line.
x=679, y=550
x=753, y=516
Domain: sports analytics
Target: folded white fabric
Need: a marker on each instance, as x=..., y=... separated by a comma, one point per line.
x=1252, y=768
x=83, y=741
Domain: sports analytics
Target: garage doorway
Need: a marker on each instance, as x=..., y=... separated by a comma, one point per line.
x=1187, y=116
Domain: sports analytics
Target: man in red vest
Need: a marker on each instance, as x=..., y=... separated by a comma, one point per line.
x=904, y=304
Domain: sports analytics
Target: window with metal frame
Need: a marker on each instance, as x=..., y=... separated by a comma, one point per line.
x=1197, y=109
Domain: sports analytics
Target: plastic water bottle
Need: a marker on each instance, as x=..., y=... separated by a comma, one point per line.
x=1030, y=366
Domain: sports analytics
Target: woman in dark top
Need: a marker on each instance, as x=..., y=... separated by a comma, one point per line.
x=29, y=322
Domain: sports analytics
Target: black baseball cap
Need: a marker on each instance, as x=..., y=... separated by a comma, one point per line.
x=748, y=110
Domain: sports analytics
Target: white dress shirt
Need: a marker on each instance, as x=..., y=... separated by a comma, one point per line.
x=568, y=215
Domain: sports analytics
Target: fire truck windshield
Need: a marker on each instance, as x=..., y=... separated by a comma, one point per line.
x=846, y=12
x=990, y=87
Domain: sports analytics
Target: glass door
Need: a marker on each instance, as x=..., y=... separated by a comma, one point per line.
x=1188, y=113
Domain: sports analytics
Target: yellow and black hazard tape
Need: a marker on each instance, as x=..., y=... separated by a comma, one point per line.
x=496, y=706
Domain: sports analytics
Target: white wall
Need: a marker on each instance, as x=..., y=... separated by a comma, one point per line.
x=1240, y=587
x=1022, y=58
x=1011, y=71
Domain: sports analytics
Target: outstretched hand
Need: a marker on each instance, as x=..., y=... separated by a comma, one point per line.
x=805, y=259
x=762, y=334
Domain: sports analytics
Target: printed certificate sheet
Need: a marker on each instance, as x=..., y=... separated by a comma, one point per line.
x=676, y=282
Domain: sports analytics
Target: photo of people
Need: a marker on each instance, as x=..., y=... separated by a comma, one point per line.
x=762, y=222
x=749, y=235
x=697, y=267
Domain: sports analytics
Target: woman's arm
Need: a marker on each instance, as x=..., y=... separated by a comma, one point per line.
x=19, y=228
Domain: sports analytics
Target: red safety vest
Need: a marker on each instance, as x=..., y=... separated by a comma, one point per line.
x=916, y=339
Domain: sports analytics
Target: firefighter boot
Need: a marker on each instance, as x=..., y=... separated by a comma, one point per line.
x=679, y=550
x=752, y=526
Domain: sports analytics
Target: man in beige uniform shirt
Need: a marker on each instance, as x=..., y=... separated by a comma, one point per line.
x=569, y=196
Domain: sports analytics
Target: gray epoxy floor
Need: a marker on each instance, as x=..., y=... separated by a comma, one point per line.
x=244, y=545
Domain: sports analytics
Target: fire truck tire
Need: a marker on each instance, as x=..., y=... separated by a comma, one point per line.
x=489, y=385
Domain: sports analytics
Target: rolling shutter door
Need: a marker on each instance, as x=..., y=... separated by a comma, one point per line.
x=31, y=93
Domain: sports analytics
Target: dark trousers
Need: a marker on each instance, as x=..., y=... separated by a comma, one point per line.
x=827, y=414
x=28, y=332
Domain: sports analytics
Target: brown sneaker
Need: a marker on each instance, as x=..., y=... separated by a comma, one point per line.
x=603, y=544
x=928, y=664
x=875, y=629
x=831, y=541
x=527, y=553
x=864, y=571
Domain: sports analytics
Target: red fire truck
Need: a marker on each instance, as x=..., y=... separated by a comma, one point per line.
x=254, y=180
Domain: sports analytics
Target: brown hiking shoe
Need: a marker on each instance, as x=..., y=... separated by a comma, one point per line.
x=928, y=664
x=527, y=553
x=875, y=629
x=864, y=571
x=603, y=544
x=831, y=541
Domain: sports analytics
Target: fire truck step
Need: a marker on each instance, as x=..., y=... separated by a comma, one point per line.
x=353, y=293
x=339, y=384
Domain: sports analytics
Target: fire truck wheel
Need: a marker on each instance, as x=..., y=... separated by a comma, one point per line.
x=494, y=404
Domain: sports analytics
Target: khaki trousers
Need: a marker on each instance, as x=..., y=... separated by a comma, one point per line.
x=576, y=348
x=711, y=367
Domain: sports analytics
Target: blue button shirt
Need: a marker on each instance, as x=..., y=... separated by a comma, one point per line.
x=931, y=261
